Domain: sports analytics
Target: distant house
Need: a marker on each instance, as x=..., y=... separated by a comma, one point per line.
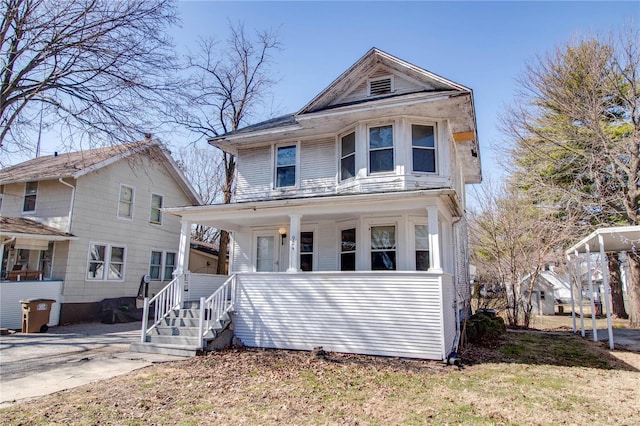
x=85, y=226
x=203, y=258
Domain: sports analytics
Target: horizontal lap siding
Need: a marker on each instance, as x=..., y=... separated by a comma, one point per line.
x=254, y=173
x=12, y=292
x=378, y=315
x=203, y=285
x=448, y=313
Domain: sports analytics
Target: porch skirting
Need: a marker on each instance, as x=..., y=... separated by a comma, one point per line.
x=404, y=314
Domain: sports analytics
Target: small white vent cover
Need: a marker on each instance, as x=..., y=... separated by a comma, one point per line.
x=380, y=85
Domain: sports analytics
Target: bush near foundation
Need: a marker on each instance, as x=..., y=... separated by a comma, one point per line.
x=484, y=327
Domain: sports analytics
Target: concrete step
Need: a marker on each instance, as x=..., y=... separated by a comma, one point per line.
x=194, y=341
x=185, y=313
x=181, y=322
x=163, y=348
x=167, y=330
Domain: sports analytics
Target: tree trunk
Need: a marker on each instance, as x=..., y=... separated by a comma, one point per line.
x=615, y=281
x=634, y=288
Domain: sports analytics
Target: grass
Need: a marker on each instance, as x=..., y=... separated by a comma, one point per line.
x=527, y=378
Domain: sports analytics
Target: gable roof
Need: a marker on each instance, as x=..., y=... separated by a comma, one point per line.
x=77, y=164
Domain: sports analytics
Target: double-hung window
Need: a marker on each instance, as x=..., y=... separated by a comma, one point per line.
x=348, y=156
x=156, y=205
x=162, y=265
x=286, y=166
x=106, y=262
x=306, y=251
x=423, y=148
x=348, y=249
x=383, y=248
x=30, y=196
x=422, y=247
x=381, y=149
x=125, y=205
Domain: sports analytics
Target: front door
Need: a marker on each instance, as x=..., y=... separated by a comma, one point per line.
x=266, y=253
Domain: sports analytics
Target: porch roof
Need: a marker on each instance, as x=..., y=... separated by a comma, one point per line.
x=21, y=227
x=620, y=238
x=335, y=207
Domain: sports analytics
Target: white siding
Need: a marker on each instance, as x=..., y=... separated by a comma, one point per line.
x=318, y=166
x=203, y=285
x=11, y=293
x=401, y=86
x=448, y=313
x=388, y=314
x=53, y=201
x=255, y=172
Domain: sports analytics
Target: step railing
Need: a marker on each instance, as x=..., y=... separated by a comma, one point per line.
x=217, y=307
x=167, y=299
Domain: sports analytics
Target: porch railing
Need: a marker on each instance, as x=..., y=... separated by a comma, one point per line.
x=167, y=299
x=217, y=308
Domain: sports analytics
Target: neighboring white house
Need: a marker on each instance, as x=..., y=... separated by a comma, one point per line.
x=348, y=225
x=85, y=226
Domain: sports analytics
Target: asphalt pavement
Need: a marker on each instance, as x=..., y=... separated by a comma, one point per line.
x=38, y=364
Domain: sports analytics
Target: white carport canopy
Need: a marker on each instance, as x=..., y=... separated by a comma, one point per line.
x=603, y=240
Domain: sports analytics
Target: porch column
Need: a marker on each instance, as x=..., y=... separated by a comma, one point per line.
x=607, y=289
x=573, y=304
x=579, y=284
x=594, y=325
x=183, y=248
x=294, y=243
x=434, y=240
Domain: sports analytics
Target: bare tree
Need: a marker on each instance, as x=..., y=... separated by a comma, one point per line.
x=227, y=88
x=512, y=238
x=576, y=127
x=91, y=68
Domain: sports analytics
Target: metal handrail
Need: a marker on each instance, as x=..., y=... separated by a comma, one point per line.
x=167, y=299
x=216, y=306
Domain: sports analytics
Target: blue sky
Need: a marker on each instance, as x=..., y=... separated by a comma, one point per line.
x=482, y=45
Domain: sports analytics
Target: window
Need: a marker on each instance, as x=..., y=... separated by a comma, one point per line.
x=125, y=207
x=265, y=254
x=162, y=265
x=30, y=195
x=381, y=149
x=348, y=156
x=286, y=166
x=542, y=295
x=156, y=205
x=422, y=247
x=380, y=85
x=106, y=262
x=383, y=248
x=348, y=250
x=1, y=195
x=306, y=251
x=424, y=148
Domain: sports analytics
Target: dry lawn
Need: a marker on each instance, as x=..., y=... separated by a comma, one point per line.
x=526, y=378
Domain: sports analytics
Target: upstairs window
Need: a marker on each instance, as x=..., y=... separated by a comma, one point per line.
x=381, y=149
x=30, y=195
x=286, y=166
x=306, y=251
x=156, y=205
x=424, y=148
x=348, y=156
x=348, y=250
x=383, y=248
x=380, y=86
x=125, y=206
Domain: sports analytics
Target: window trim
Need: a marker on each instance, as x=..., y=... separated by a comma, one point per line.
x=133, y=200
x=163, y=264
x=296, y=166
x=254, y=249
x=342, y=157
x=35, y=195
x=151, y=221
x=107, y=261
x=392, y=148
x=392, y=88
x=435, y=147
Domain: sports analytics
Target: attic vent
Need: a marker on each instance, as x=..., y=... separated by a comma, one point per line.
x=380, y=86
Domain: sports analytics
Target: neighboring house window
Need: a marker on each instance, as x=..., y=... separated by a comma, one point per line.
x=541, y=295
x=422, y=247
x=380, y=85
x=265, y=254
x=380, y=149
x=306, y=251
x=383, y=248
x=30, y=195
x=125, y=207
x=1, y=195
x=106, y=262
x=424, y=148
x=348, y=249
x=286, y=166
x=348, y=156
x=162, y=265
x=156, y=205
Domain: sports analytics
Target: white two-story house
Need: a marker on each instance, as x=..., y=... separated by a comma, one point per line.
x=86, y=226
x=348, y=225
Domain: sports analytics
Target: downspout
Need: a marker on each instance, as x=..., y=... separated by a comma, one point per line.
x=452, y=358
x=73, y=197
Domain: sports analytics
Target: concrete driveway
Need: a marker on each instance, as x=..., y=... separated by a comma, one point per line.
x=38, y=364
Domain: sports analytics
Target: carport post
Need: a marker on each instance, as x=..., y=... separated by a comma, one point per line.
x=579, y=284
x=594, y=325
x=607, y=289
x=573, y=304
